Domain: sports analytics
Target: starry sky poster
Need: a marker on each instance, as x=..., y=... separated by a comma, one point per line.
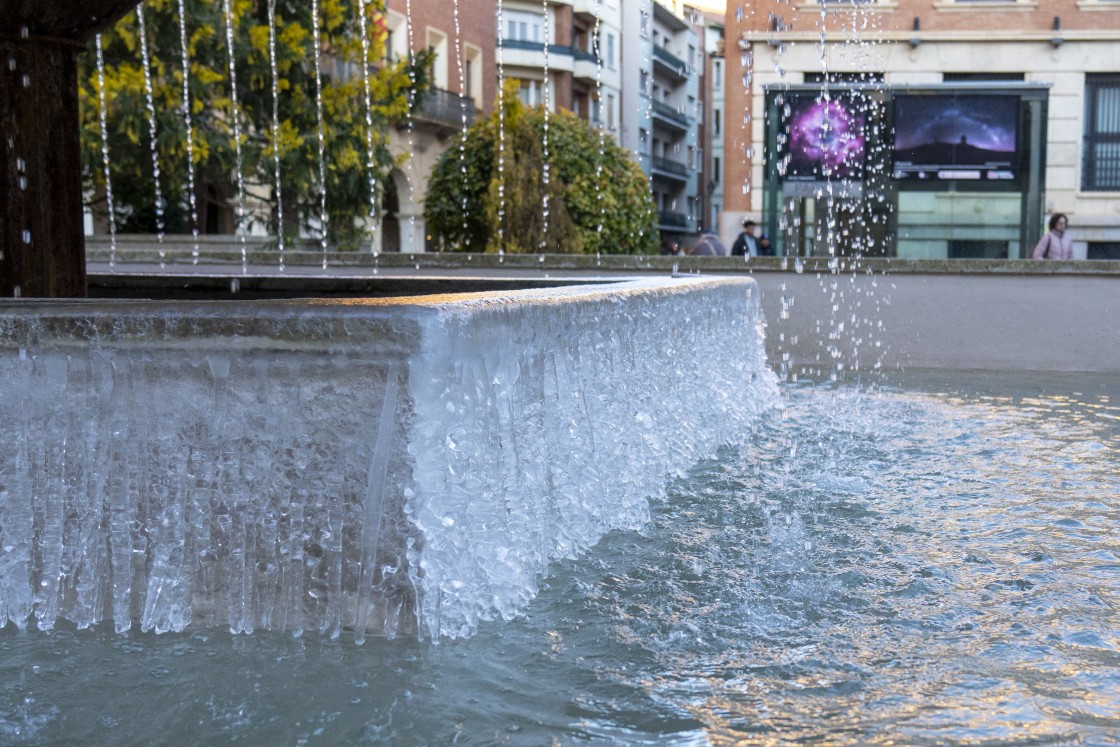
x=933, y=132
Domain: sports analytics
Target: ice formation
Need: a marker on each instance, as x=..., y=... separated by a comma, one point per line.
x=390, y=467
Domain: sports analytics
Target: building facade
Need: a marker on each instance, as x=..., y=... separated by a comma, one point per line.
x=464, y=85
x=663, y=67
x=1067, y=46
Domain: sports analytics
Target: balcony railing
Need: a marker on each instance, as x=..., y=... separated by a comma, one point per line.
x=532, y=46
x=665, y=219
x=670, y=166
x=444, y=109
x=663, y=110
x=670, y=60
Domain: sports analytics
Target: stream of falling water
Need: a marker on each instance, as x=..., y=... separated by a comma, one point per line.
x=192, y=198
x=235, y=115
x=363, y=25
x=103, y=118
x=597, y=48
x=501, y=132
x=320, y=140
x=410, y=126
x=276, y=128
x=544, y=137
x=463, y=119
x=149, y=99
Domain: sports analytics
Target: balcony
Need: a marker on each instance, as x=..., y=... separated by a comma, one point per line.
x=670, y=116
x=675, y=221
x=669, y=63
x=523, y=53
x=442, y=111
x=670, y=168
x=586, y=66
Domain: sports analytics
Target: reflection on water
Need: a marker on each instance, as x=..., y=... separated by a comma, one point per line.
x=926, y=563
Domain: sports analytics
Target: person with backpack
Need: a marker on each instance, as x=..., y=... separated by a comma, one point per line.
x=1056, y=244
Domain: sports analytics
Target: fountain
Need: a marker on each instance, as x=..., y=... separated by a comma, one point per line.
x=673, y=559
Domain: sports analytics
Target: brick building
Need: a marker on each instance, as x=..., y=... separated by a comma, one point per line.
x=1067, y=47
x=464, y=85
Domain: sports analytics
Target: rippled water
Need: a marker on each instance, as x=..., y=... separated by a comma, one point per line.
x=931, y=562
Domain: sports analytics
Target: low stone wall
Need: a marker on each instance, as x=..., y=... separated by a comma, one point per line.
x=822, y=313
x=390, y=467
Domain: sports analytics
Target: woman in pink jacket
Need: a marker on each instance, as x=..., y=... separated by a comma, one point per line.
x=1055, y=245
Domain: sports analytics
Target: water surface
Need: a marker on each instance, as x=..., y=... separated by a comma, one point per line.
x=934, y=561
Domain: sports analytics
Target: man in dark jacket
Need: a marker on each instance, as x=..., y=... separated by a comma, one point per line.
x=747, y=243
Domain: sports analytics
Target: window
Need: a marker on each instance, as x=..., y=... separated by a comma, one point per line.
x=610, y=51
x=610, y=112
x=1103, y=250
x=531, y=92
x=716, y=164
x=1100, y=168
x=717, y=121
x=982, y=77
x=717, y=75
x=437, y=42
x=524, y=26
x=472, y=73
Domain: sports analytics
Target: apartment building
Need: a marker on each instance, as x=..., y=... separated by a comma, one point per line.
x=663, y=64
x=565, y=55
x=1060, y=54
x=715, y=108
x=462, y=33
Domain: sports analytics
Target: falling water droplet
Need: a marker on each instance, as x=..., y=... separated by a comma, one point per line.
x=149, y=97
x=103, y=118
x=275, y=128
x=192, y=199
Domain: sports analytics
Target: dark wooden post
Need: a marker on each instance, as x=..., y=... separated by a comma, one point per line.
x=42, y=241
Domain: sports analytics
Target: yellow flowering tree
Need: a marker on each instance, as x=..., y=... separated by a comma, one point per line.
x=355, y=123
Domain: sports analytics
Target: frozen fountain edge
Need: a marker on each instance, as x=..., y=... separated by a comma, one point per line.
x=180, y=464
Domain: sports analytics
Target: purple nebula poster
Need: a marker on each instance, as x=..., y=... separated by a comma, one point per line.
x=826, y=139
